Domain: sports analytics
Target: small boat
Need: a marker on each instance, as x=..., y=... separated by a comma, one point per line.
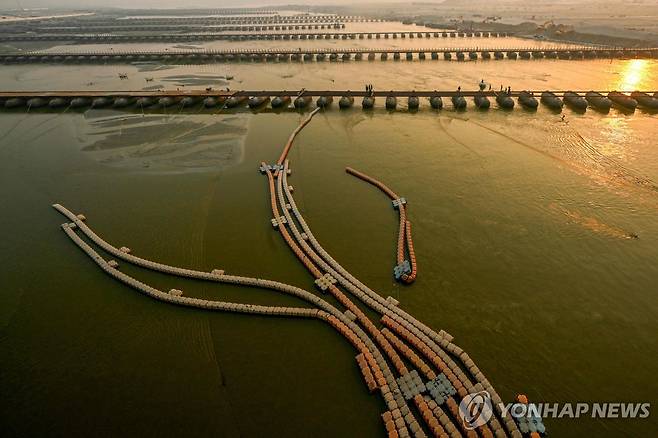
x=210, y=102
x=623, y=101
x=481, y=101
x=552, y=101
x=166, y=101
x=598, y=101
x=36, y=102
x=14, y=102
x=458, y=102
x=145, y=102
x=391, y=102
x=235, y=101
x=413, y=103
x=302, y=102
x=100, y=102
x=346, y=102
x=280, y=101
x=80, y=102
x=528, y=101
x=122, y=102
x=436, y=102
x=645, y=101
x=58, y=102
x=187, y=101
x=504, y=101
x=258, y=101
x=325, y=101
x=368, y=102
x=575, y=101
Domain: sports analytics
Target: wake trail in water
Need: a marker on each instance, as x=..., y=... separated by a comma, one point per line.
x=605, y=164
x=457, y=140
x=10, y=130
x=592, y=223
x=572, y=150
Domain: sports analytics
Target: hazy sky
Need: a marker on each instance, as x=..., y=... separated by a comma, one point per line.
x=174, y=3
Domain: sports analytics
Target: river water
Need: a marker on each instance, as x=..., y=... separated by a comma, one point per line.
x=524, y=226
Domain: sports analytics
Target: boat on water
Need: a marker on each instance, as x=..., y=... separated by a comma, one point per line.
x=598, y=101
x=552, y=101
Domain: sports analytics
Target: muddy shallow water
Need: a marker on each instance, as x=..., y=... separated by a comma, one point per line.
x=536, y=243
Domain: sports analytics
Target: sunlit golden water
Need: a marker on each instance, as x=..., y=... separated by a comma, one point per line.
x=536, y=243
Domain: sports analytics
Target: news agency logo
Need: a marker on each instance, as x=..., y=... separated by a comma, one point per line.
x=476, y=410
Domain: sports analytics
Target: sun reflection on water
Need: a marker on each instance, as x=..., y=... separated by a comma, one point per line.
x=615, y=135
x=634, y=75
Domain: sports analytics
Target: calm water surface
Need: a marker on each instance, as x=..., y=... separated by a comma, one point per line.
x=521, y=223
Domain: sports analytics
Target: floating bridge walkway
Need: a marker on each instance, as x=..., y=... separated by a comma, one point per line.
x=420, y=373
x=259, y=100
